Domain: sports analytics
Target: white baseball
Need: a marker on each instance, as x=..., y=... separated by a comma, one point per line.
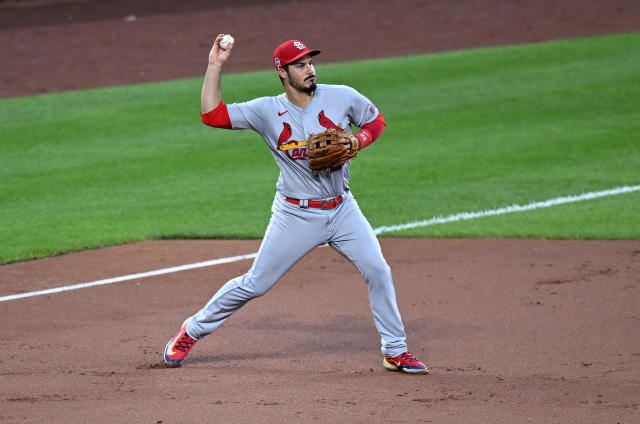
x=225, y=41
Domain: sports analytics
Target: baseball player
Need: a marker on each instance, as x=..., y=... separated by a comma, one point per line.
x=310, y=208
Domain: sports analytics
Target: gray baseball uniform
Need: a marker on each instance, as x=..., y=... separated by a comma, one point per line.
x=297, y=228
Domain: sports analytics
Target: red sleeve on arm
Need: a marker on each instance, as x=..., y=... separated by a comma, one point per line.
x=218, y=117
x=371, y=131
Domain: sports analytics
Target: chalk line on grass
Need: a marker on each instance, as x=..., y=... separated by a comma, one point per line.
x=437, y=220
x=509, y=209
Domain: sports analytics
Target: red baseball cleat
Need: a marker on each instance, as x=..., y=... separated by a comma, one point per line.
x=177, y=349
x=405, y=362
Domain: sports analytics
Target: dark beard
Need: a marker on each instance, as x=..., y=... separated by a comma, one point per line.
x=300, y=87
x=310, y=89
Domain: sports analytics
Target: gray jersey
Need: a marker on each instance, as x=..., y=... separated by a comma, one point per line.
x=286, y=128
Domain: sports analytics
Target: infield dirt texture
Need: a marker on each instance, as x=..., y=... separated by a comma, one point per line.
x=514, y=330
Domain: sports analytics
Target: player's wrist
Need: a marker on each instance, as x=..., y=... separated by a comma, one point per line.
x=355, y=141
x=365, y=137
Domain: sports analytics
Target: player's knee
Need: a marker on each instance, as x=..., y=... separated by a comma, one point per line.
x=259, y=292
x=377, y=271
x=255, y=288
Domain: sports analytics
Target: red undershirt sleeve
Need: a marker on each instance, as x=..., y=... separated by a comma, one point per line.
x=218, y=117
x=371, y=131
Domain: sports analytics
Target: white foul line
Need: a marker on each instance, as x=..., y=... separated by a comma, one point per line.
x=509, y=209
x=438, y=220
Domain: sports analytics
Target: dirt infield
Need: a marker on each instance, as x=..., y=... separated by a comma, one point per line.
x=514, y=330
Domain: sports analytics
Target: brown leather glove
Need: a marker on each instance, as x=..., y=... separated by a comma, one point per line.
x=331, y=149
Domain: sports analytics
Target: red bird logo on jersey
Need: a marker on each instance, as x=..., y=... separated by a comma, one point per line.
x=295, y=150
x=285, y=135
x=326, y=122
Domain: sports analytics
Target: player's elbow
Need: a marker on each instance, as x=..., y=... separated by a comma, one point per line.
x=217, y=118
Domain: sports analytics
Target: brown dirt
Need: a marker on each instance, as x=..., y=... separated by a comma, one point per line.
x=514, y=330
x=50, y=46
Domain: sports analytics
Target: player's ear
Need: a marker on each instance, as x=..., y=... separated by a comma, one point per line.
x=283, y=73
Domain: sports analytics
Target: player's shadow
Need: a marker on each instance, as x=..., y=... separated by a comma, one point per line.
x=345, y=334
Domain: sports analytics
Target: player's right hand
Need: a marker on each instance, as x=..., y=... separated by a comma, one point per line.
x=218, y=55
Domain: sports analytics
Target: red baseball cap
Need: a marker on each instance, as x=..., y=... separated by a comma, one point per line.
x=290, y=51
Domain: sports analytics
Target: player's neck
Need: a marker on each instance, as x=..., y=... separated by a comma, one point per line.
x=297, y=97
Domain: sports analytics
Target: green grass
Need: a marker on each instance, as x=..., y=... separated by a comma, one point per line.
x=466, y=131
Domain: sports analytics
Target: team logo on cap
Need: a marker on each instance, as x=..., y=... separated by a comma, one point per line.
x=277, y=60
x=298, y=45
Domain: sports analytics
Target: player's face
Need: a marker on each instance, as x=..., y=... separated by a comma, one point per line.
x=302, y=75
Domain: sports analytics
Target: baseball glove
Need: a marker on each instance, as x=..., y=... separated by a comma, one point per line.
x=331, y=149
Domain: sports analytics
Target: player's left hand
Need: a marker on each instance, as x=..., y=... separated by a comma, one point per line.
x=331, y=149
x=350, y=141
